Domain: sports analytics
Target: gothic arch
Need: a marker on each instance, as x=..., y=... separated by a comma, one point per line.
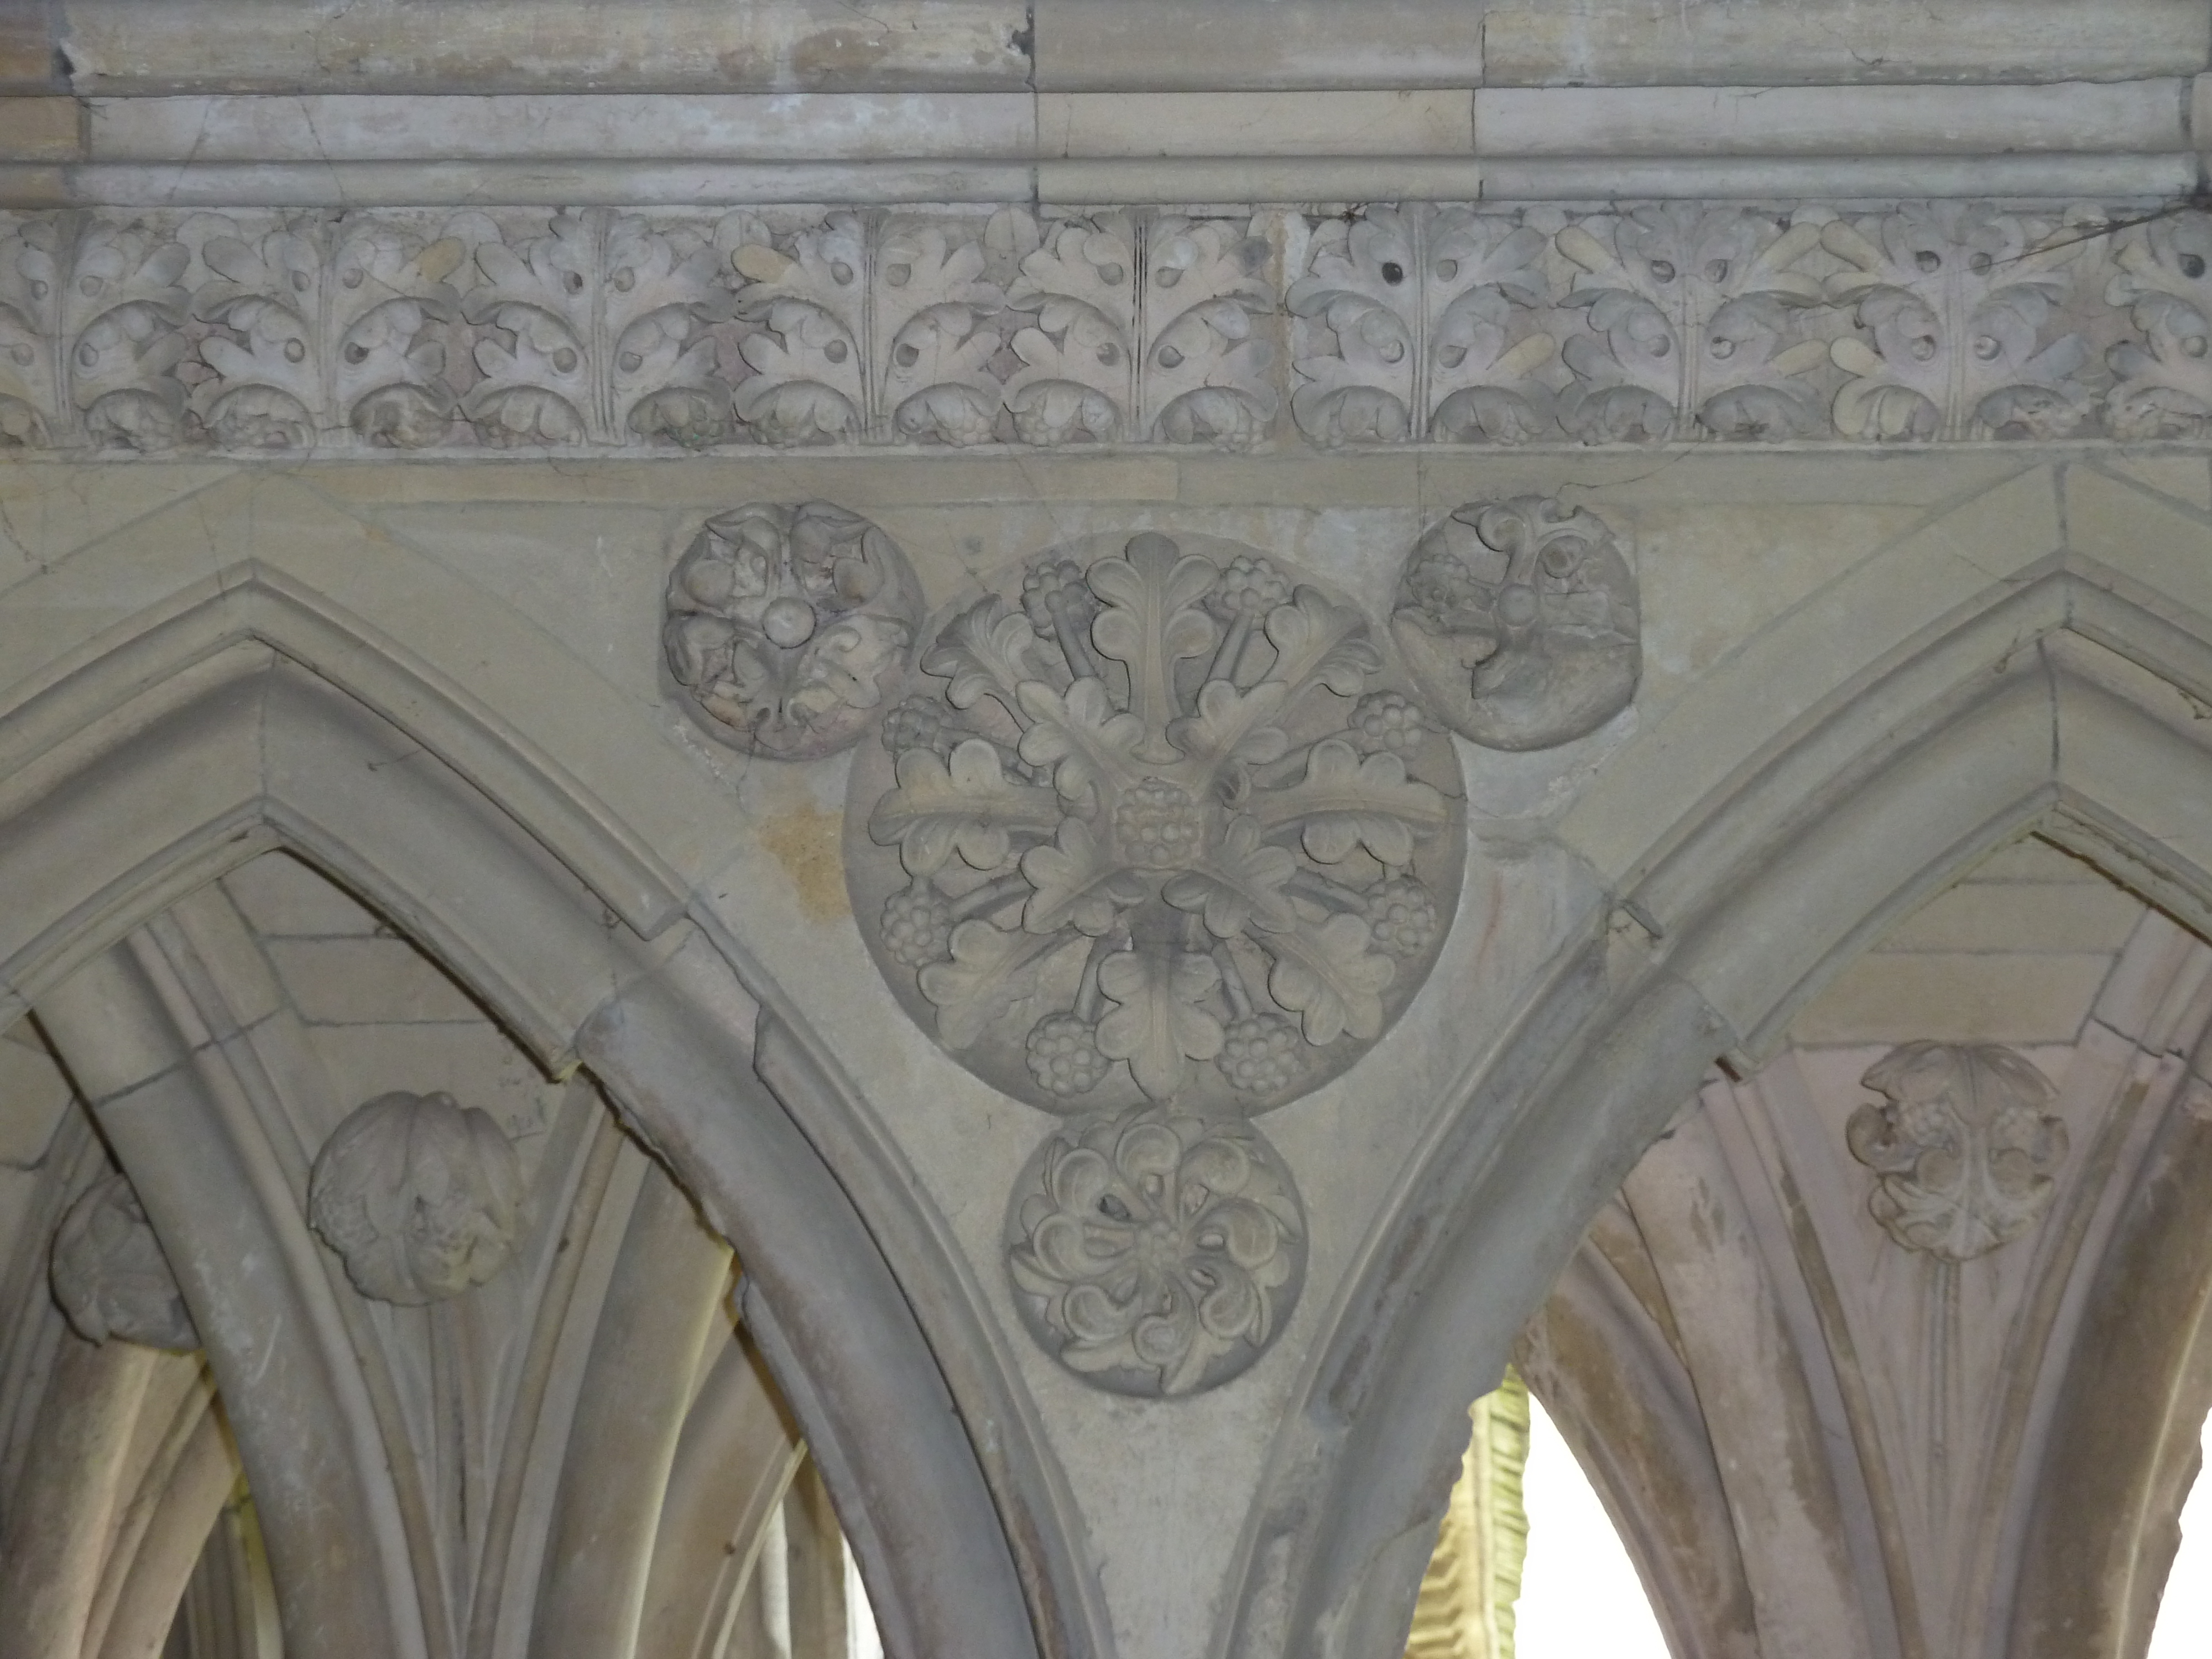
x=2043, y=654
x=244, y=709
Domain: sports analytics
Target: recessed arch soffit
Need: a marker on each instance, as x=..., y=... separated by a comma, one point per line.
x=1934, y=1216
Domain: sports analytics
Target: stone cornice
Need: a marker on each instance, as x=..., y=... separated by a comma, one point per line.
x=632, y=331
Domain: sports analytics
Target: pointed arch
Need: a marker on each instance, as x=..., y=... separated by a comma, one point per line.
x=160, y=745
x=2036, y=657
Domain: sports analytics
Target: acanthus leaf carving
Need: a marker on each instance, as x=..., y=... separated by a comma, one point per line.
x=939, y=335
x=1077, y=294
x=1159, y=1253
x=1207, y=302
x=1688, y=307
x=420, y=1198
x=32, y=410
x=1963, y=1146
x=1519, y=620
x=111, y=1276
x=806, y=292
x=1156, y=834
x=124, y=315
x=2165, y=280
x=256, y=331
x=1956, y=298
x=785, y=628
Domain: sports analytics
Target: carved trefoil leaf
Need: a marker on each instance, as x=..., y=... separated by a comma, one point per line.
x=1164, y=832
x=1963, y=1145
x=420, y=1198
x=1519, y=620
x=786, y=628
x=1159, y=1253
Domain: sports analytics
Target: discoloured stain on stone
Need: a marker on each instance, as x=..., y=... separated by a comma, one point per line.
x=804, y=842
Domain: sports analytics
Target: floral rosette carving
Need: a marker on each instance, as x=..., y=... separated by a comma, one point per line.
x=1963, y=1145
x=1157, y=828
x=1519, y=620
x=1157, y=1252
x=788, y=626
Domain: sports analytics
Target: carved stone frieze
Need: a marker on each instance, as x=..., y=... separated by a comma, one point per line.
x=1962, y=1144
x=787, y=626
x=1157, y=1252
x=1518, y=619
x=1156, y=825
x=110, y=1275
x=420, y=1198
x=261, y=331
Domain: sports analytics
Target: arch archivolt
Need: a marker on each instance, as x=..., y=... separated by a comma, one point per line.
x=268, y=664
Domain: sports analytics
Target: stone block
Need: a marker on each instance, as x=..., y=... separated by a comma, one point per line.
x=28, y=61
x=283, y=898
x=367, y=981
x=1140, y=123
x=40, y=130
x=1321, y=180
x=1954, y=997
x=1165, y=45
x=35, y=1094
x=1628, y=42
x=1928, y=120
x=2019, y=916
x=808, y=127
x=442, y=45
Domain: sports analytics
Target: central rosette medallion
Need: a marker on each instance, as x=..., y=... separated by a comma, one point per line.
x=1158, y=826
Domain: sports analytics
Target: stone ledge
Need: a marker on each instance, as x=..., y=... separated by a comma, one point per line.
x=1446, y=327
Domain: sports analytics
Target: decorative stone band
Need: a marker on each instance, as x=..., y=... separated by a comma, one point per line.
x=606, y=331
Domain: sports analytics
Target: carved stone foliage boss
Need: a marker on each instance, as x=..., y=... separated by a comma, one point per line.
x=1518, y=619
x=420, y=1198
x=1963, y=1144
x=1156, y=826
x=787, y=626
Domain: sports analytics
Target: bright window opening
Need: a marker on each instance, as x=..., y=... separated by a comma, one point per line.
x=1528, y=1564
x=2184, y=1630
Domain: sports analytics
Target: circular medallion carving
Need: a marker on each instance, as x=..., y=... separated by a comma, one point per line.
x=787, y=626
x=1156, y=825
x=1156, y=1253
x=1518, y=619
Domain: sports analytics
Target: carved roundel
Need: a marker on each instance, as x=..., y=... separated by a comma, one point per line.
x=1156, y=824
x=787, y=626
x=1519, y=621
x=1156, y=1253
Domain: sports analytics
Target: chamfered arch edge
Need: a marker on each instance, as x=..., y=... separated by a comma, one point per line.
x=2058, y=697
x=222, y=717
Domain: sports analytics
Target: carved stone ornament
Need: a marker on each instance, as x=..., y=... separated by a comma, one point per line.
x=1157, y=1252
x=420, y=1198
x=1518, y=619
x=1962, y=1144
x=110, y=1275
x=787, y=627
x=1157, y=826
x=385, y=330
